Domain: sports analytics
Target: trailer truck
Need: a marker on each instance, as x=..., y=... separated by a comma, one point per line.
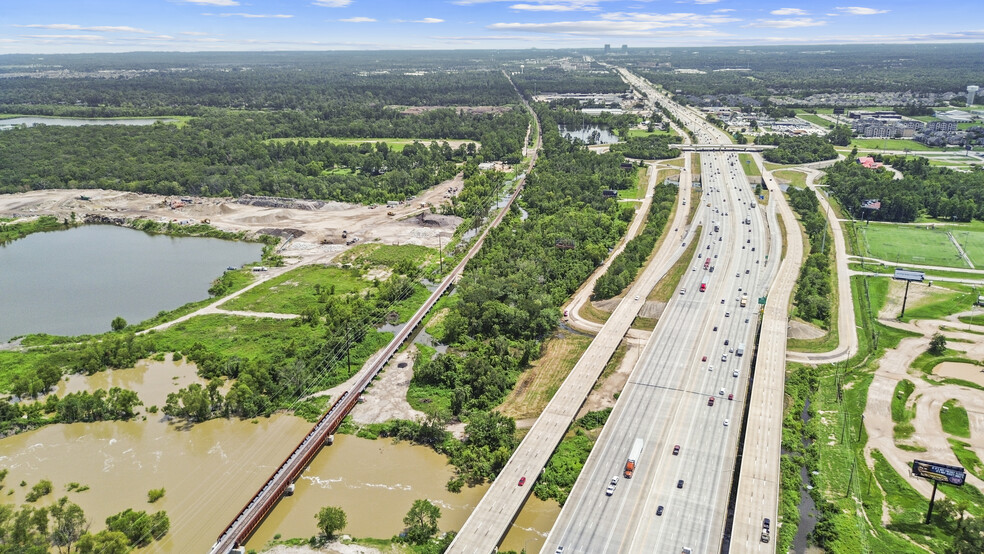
x=630, y=463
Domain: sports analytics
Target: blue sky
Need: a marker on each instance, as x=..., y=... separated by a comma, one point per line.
x=52, y=26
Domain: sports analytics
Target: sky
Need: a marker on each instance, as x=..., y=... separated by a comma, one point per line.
x=71, y=26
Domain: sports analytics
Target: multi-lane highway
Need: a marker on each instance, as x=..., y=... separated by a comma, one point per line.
x=677, y=500
x=687, y=410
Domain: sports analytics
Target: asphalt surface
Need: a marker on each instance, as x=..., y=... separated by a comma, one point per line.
x=665, y=401
x=492, y=517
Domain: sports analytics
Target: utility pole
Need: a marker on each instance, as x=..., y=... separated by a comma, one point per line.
x=440, y=252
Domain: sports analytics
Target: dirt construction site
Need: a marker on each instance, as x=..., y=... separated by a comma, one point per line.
x=314, y=227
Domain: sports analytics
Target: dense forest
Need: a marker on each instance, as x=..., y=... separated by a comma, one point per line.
x=814, y=286
x=229, y=154
x=183, y=84
x=924, y=190
x=653, y=147
x=758, y=72
x=556, y=80
x=796, y=150
x=508, y=299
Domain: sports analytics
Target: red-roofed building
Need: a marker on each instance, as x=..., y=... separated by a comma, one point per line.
x=869, y=162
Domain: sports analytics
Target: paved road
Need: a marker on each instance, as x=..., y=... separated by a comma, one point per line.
x=847, y=334
x=758, y=486
x=491, y=519
x=666, y=401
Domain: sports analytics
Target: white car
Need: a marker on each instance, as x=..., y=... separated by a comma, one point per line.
x=611, y=486
x=726, y=423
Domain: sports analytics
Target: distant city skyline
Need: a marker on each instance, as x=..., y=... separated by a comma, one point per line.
x=68, y=26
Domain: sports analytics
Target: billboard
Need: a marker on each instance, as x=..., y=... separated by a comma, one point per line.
x=953, y=475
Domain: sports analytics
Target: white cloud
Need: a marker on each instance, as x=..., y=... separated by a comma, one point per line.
x=789, y=11
x=194, y=33
x=723, y=10
x=556, y=7
x=358, y=20
x=252, y=15
x=331, y=3
x=66, y=37
x=788, y=23
x=428, y=20
x=226, y=3
x=101, y=28
x=855, y=10
x=706, y=1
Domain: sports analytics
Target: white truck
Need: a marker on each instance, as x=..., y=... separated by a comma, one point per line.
x=630, y=463
x=741, y=350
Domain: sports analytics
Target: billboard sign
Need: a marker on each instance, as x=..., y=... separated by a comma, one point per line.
x=933, y=471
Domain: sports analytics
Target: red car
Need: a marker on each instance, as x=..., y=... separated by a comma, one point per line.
x=676, y=450
x=731, y=397
x=710, y=401
x=704, y=359
x=522, y=481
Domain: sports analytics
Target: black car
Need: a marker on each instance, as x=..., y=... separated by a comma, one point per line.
x=659, y=510
x=680, y=484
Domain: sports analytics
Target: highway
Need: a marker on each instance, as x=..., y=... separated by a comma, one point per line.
x=679, y=498
x=491, y=519
x=665, y=401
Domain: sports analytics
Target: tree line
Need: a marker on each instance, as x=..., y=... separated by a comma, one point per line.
x=814, y=288
x=937, y=192
x=796, y=150
x=229, y=154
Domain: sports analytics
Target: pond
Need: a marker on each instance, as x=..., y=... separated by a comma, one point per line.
x=591, y=134
x=76, y=281
x=10, y=123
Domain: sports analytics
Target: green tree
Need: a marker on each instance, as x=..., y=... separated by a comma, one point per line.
x=969, y=539
x=421, y=521
x=68, y=525
x=103, y=542
x=331, y=519
x=118, y=323
x=937, y=345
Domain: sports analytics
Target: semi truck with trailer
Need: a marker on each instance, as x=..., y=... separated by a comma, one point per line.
x=630, y=463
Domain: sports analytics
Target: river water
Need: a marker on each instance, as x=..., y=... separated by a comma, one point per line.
x=31, y=121
x=76, y=281
x=210, y=470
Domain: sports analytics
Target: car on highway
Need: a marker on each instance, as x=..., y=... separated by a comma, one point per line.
x=676, y=450
x=683, y=291
x=734, y=373
x=659, y=510
x=726, y=423
x=637, y=297
x=724, y=357
x=703, y=358
x=721, y=392
x=680, y=484
x=522, y=481
x=727, y=342
x=710, y=401
x=746, y=271
x=611, y=486
x=731, y=396
x=727, y=314
x=715, y=327
x=710, y=368
x=746, y=320
x=722, y=300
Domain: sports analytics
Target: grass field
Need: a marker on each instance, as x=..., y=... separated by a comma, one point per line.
x=748, y=165
x=909, y=244
x=794, y=178
x=891, y=144
x=954, y=419
x=815, y=119
x=945, y=299
x=295, y=290
x=645, y=133
x=639, y=190
x=396, y=144
x=537, y=385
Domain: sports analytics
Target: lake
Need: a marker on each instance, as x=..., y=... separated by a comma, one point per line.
x=76, y=281
x=602, y=135
x=31, y=121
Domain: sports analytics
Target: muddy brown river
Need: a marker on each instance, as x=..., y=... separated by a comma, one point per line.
x=211, y=469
